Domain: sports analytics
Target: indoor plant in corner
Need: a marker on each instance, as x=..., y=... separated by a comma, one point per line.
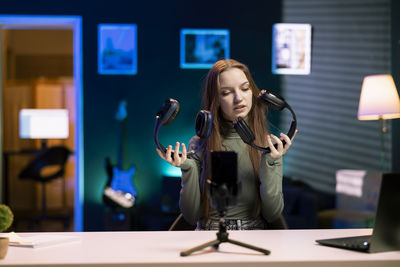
x=6, y=219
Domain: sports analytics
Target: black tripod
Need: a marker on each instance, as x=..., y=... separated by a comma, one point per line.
x=222, y=236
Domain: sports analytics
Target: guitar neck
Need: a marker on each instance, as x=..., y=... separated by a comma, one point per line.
x=120, y=145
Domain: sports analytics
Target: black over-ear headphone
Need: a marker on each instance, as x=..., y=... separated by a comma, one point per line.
x=167, y=113
x=275, y=102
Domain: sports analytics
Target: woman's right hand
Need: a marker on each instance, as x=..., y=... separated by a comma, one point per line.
x=177, y=160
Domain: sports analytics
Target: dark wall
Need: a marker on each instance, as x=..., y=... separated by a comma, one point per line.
x=159, y=77
x=350, y=40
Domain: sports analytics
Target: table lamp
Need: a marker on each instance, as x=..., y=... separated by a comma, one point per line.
x=379, y=100
x=43, y=124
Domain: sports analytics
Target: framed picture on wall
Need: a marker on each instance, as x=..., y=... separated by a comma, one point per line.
x=117, y=49
x=201, y=48
x=291, y=48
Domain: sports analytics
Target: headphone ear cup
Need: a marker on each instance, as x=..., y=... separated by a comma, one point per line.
x=204, y=123
x=244, y=131
x=168, y=111
x=274, y=101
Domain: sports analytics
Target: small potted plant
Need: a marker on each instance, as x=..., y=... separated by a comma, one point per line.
x=6, y=219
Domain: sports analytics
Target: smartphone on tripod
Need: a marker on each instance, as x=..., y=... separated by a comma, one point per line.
x=223, y=190
x=224, y=182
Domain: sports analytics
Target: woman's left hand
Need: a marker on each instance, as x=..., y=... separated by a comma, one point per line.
x=281, y=149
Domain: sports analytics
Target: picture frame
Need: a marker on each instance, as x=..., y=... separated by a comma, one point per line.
x=291, y=48
x=201, y=48
x=117, y=49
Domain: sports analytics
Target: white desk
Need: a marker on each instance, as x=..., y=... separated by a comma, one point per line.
x=288, y=248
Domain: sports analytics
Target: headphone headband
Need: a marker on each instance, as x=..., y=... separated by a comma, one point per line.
x=167, y=114
x=274, y=101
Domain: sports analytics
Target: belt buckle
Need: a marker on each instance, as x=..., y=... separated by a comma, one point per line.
x=239, y=224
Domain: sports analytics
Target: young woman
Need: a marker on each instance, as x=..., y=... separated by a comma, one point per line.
x=230, y=92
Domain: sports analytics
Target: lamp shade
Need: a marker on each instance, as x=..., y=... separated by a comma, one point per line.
x=43, y=123
x=379, y=98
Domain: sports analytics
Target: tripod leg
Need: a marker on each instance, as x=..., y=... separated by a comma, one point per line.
x=214, y=243
x=264, y=251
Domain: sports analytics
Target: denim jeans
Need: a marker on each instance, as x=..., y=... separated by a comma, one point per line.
x=231, y=224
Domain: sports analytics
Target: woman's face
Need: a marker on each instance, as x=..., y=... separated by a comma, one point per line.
x=235, y=94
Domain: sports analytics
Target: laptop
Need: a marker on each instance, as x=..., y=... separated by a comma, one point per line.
x=386, y=232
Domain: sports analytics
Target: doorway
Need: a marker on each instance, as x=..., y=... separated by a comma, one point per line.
x=44, y=78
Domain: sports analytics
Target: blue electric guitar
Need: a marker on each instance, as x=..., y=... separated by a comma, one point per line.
x=119, y=190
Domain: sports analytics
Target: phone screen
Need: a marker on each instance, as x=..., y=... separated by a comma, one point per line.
x=224, y=167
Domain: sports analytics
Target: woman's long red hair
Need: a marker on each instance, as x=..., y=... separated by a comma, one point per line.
x=221, y=127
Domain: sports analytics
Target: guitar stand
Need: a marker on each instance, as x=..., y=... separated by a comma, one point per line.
x=222, y=236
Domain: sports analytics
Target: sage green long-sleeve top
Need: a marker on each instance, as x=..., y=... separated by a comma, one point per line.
x=270, y=186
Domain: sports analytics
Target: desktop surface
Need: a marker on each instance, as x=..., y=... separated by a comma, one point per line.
x=288, y=248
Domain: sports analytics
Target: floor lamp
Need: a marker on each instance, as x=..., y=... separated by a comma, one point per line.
x=379, y=100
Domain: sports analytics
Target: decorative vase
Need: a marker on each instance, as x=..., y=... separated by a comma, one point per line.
x=3, y=247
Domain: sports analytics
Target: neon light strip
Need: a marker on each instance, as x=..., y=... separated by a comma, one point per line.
x=63, y=22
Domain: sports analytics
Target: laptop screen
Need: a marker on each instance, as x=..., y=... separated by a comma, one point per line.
x=386, y=233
